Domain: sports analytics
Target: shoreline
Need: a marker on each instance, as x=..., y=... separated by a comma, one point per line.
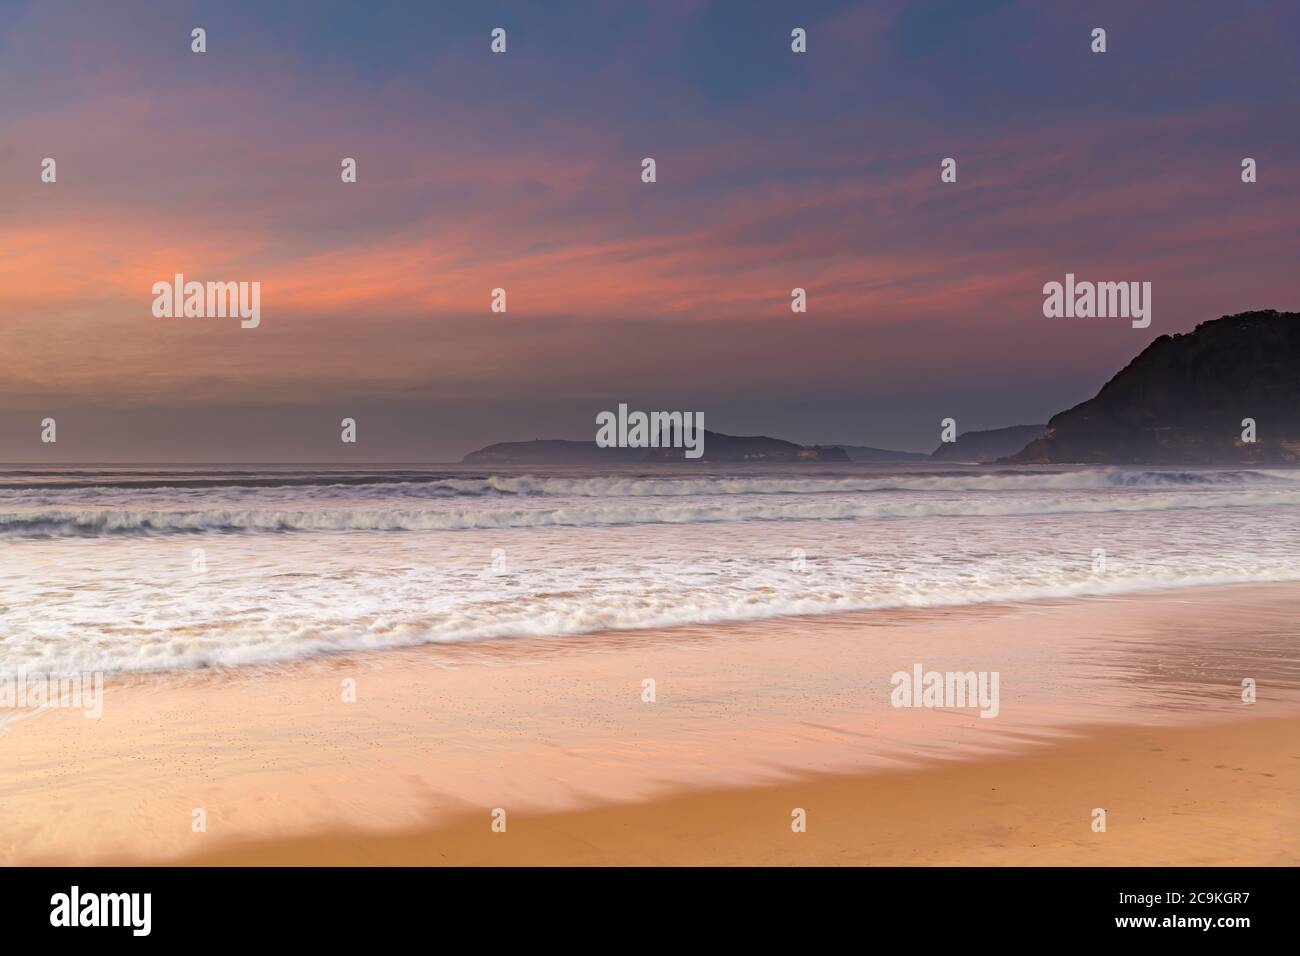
x=558, y=730
x=509, y=649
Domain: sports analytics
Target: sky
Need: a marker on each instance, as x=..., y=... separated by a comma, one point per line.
x=522, y=171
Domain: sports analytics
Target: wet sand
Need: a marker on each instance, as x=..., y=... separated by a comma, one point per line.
x=1131, y=704
x=1175, y=796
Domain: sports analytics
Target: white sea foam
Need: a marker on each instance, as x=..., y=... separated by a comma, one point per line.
x=162, y=641
x=101, y=577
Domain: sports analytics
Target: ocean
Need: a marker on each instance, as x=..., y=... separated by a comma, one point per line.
x=163, y=568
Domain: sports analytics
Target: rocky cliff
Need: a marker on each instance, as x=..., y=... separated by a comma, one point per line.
x=1184, y=398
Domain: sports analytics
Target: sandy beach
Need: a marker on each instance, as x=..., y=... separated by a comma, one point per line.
x=1216, y=795
x=1131, y=704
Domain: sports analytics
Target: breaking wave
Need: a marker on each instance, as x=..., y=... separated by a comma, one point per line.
x=108, y=522
x=386, y=487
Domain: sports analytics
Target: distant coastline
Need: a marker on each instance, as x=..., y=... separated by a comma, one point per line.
x=1226, y=393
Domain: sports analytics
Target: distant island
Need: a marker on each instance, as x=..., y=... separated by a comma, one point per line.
x=717, y=447
x=720, y=447
x=1184, y=399
x=982, y=446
